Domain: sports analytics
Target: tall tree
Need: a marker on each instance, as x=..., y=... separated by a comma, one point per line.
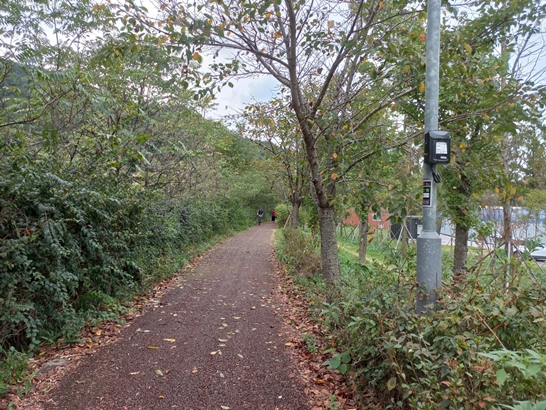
x=324, y=53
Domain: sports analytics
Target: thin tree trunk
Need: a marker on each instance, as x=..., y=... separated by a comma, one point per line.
x=363, y=238
x=295, y=215
x=460, y=252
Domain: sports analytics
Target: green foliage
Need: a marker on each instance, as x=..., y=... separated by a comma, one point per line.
x=339, y=362
x=13, y=369
x=103, y=190
x=310, y=342
x=482, y=348
x=283, y=211
x=300, y=251
x=434, y=360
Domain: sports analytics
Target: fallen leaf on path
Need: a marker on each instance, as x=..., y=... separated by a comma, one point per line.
x=159, y=372
x=225, y=408
x=152, y=347
x=288, y=344
x=222, y=340
x=170, y=340
x=161, y=397
x=236, y=317
x=133, y=373
x=213, y=353
x=194, y=370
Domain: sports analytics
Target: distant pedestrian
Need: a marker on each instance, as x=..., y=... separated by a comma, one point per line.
x=260, y=215
x=273, y=215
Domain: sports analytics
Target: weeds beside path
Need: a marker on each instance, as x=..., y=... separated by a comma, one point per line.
x=213, y=341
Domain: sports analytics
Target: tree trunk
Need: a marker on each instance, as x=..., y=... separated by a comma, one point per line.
x=328, y=244
x=460, y=252
x=507, y=222
x=295, y=215
x=363, y=239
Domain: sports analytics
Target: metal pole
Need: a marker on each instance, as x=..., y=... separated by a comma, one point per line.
x=429, y=243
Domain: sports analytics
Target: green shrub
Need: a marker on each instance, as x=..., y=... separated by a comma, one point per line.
x=453, y=357
x=300, y=251
x=13, y=369
x=436, y=360
x=282, y=211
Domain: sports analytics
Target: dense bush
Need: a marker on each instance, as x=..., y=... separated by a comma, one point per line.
x=482, y=348
x=282, y=211
x=67, y=249
x=297, y=249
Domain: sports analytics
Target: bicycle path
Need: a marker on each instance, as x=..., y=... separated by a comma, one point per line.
x=213, y=341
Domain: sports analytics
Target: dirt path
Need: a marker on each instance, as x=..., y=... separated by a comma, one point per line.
x=213, y=341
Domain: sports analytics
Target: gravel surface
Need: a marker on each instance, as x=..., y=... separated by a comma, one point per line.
x=213, y=341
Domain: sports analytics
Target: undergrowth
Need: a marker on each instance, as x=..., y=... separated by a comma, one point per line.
x=483, y=347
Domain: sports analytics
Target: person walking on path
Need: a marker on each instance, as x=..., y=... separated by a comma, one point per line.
x=260, y=215
x=212, y=341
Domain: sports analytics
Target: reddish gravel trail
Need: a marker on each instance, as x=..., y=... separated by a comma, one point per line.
x=213, y=341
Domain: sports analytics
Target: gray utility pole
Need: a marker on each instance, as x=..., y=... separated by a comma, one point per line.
x=429, y=243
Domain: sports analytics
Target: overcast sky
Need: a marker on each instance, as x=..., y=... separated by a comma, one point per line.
x=231, y=101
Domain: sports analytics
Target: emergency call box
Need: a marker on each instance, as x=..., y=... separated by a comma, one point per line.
x=437, y=147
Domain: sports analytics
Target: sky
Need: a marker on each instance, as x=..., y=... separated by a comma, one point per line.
x=231, y=101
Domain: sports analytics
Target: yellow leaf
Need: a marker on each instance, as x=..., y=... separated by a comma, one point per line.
x=468, y=48
x=196, y=56
x=159, y=372
x=406, y=68
x=331, y=24
x=213, y=353
x=334, y=176
x=170, y=340
x=278, y=35
x=288, y=344
x=391, y=384
x=421, y=87
x=334, y=155
x=370, y=239
x=161, y=397
x=267, y=15
x=152, y=347
x=381, y=4
x=98, y=332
